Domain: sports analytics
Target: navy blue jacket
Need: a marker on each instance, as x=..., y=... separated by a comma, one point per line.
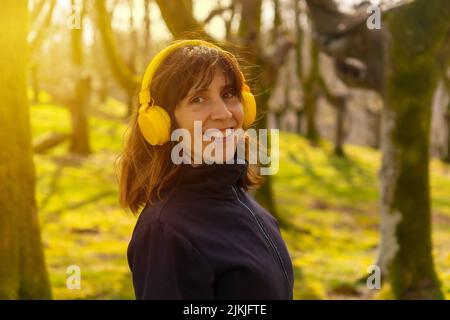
x=209, y=240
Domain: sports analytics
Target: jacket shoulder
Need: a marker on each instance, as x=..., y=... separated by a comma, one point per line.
x=170, y=211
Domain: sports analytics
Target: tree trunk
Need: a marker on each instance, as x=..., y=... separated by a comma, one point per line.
x=375, y=127
x=446, y=80
x=264, y=195
x=310, y=95
x=147, y=24
x=447, y=118
x=339, y=102
x=416, y=31
x=299, y=114
x=229, y=20
x=131, y=61
x=22, y=267
x=286, y=104
x=249, y=33
x=180, y=20
x=339, y=135
x=80, y=101
x=299, y=56
x=78, y=115
x=276, y=20
x=35, y=82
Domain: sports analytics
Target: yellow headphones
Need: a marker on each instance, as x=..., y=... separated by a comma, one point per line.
x=154, y=121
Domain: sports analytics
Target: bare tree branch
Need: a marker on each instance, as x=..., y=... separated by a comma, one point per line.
x=36, y=11
x=216, y=12
x=180, y=20
x=36, y=37
x=126, y=78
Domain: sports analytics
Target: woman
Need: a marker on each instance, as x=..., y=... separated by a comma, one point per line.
x=199, y=235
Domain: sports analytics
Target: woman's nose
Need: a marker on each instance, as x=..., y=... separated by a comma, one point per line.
x=220, y=110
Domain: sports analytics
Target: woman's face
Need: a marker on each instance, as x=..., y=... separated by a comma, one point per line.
x=217, y=107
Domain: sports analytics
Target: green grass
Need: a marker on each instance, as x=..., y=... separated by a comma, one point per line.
x=81, y=221
x=332, y=202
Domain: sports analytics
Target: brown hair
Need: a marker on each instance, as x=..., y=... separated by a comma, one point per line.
x=145, y=170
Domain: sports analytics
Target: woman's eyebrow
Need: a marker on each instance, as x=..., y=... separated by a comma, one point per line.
x=199, y=90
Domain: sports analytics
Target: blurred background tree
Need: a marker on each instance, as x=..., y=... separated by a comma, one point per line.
x=399, y=62
x=23, y=273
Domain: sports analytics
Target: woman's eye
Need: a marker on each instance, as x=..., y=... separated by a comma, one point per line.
x=197, y=100
x=229, y=95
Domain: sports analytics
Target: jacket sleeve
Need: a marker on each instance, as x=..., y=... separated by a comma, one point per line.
x=165, y=265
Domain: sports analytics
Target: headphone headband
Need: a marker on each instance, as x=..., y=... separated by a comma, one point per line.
x=144, y=94
x=154, y=121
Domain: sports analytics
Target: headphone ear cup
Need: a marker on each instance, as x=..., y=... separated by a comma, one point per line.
x=249, y=108
x=154, y=123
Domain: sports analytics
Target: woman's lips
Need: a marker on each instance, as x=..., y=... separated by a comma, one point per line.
x=219, y=133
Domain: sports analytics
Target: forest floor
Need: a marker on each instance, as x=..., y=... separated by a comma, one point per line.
x=331, y=202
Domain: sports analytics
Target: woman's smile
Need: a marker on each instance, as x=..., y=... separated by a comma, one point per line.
x=218, y=133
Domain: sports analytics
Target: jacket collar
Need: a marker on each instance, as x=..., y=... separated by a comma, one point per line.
x=212, y=177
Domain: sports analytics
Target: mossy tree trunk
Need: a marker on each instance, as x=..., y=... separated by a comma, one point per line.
x=416, y=33
x=22, y=268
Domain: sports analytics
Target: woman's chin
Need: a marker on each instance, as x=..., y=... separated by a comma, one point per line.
x=227, y=154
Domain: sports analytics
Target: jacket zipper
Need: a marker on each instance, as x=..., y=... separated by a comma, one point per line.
x=269, y=241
